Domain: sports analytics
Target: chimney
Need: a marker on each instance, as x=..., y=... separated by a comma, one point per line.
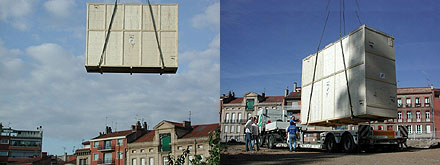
x=65, y=157
x=294, y=87
x=264, y=95
x=133, y=128
x=145, y=125
x=108, y=130
x=286, y=92
x=187, y=124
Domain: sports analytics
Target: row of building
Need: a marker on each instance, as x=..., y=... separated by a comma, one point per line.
x=136, y=146
x=417, y=108
x=140, y=146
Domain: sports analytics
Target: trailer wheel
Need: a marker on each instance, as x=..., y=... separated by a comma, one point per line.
x=330, y=143
x=348, y=145
x=270, y=142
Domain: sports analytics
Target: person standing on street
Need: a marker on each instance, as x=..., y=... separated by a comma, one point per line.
x=291, y=135
x=255, y=133
x=248, y=131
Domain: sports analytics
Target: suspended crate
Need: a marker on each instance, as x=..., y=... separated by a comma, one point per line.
x=371, y=74
x=132, y=46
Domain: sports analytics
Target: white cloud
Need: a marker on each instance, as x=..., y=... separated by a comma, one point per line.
x=56, y=92
x=60, y=8
x=16, y=13
x=210, y=18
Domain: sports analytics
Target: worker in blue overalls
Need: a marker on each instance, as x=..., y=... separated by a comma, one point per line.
x=291, y=135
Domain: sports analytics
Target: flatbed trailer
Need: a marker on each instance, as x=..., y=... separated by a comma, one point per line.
x=362, y=139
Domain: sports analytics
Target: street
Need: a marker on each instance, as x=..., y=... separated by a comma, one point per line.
x=235, y=155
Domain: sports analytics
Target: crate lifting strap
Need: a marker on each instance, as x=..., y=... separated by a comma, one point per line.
x=157, y=38
x=107, y=37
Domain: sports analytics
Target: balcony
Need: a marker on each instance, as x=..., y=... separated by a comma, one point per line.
x=106, y=148
x=408, y=105
x=426, y=104
x=292, y=107
x=399, y=120
x=418, y=105
x=106, y=161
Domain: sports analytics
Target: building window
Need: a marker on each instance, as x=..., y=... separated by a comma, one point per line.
x=428, y=128
x=410, y=129
x=418, y=104
x=133, y=161
x=142, y=150
x=199, y=146
x=108, y=144
x=151, y=150
x=227, y=118
x=120, y=142
x=399, y=102
x=233, y=118
x=143, y=161
x=165, y=160
x=238, y=128
x=179, y=148
x=239, y=117
x=165, y=140
x=95, y=157
x=190, y=147
x=232, y=129
x=428, y=116
x=3, y=153
x=120, y=155
x=250, y=104
x=427, y=102
x=95, y=144
x=408, y=102
x=4, y=141
x=249, y=115
x=418, y=117
x=408, y=116
x=108, y=158
x=399, y=116
x=151, y=161
x=226, y=128
x=419, y=129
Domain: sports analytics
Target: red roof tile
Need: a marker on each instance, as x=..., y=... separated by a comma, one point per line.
x=294, y=95
x=237, y=100
x=86, y=143
x=202, y=130
x=197, y=131
x=148, y=137
x=115, y=134
x=274, y=99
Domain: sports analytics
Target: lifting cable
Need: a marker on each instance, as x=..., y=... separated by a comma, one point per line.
x=342, y=19
x=316, y=61
x=157, y=38
x=358, y=11
x=107, y=37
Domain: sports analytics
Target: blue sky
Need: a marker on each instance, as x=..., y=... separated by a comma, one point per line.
x=43, y=80
x=263, y=44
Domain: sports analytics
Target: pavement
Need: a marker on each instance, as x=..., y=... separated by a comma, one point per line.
x=235, y=154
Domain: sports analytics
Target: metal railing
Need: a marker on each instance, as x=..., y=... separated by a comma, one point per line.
x=106, y=161
x=106, y=147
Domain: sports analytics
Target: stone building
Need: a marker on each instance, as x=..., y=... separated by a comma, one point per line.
x=170, y=138
x=235, y=111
